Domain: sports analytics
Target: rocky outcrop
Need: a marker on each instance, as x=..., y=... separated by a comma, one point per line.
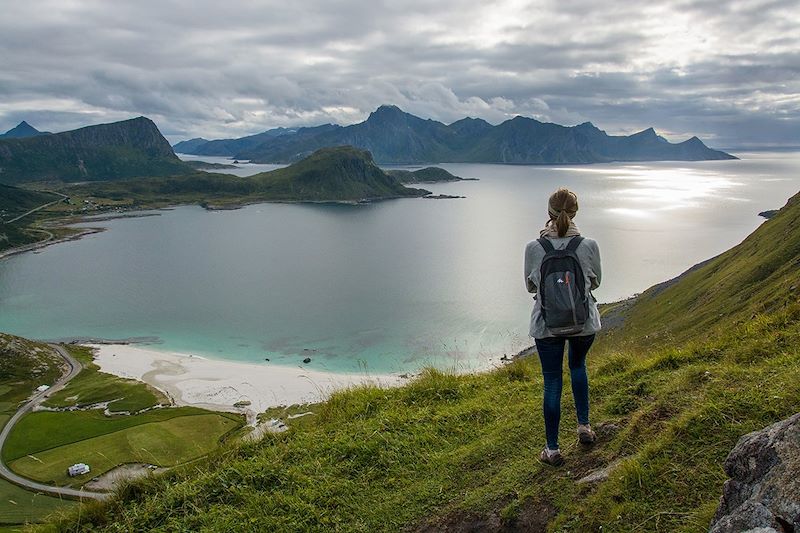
x=763, y=492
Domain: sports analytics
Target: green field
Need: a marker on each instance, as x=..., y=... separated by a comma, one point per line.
x=166, y=443
x=18, y=506
x=44, y=430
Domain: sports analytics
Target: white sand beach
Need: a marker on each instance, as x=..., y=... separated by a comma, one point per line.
x=217, y=385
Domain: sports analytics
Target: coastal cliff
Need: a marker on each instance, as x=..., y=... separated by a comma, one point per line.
x=118, y=150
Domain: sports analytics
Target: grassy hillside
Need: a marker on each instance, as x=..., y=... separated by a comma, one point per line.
x=689, y=368
x=14, y=202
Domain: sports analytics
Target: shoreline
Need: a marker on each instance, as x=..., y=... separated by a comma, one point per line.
x=216, y=385
x=38, y=245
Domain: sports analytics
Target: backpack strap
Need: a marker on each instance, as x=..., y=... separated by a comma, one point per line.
x=546, y=244
x=574, y=243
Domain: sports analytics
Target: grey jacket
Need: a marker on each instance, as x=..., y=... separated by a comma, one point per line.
x=589, y=256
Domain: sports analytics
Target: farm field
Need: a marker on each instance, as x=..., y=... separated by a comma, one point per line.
x=166, y=443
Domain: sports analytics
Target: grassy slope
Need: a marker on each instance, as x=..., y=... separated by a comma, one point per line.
x=18, y=506
x=700, y=363
x=15, y=201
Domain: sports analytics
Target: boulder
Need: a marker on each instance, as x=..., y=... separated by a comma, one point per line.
x=763, y=492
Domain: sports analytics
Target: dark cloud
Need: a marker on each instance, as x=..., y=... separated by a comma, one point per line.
x=728, y=72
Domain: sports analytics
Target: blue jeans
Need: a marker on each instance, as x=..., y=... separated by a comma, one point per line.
x=551, y=355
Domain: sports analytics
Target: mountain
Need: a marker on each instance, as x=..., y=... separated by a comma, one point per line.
x=189, y=147
x=229, y=147
x=21, y=130
x=338, y=174
x=396, y=137
x=123, y=149
x=677, y=376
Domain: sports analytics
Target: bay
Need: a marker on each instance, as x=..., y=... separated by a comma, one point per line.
x=388, y=286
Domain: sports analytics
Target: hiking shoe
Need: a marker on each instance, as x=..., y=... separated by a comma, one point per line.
x=551, y=457
x=585, y=434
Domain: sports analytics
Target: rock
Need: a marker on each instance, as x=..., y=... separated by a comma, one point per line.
x=769, y=213
x=601, y=474
x=763, y=492
x=307, y=360
x=606, y=430
x=443, y=197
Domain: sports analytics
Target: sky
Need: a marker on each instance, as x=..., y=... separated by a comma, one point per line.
x=727, y=71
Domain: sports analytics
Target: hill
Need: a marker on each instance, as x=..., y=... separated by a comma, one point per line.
x=15, y=201
x=689, y=367
x=22, y=130
x=424, y=175
x=396, y=137
x=123, y=149
x=342, y=174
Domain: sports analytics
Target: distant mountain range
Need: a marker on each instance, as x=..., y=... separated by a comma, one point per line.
x=22, y=130
x=123, y=149
x=396, y=137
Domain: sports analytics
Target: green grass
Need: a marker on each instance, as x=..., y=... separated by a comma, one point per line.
x=44, y=430
x=18, y=506
x=92, y=386
x=165, y=443
x=692, y=368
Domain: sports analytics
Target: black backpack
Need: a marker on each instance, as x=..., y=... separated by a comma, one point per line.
x=562, y=289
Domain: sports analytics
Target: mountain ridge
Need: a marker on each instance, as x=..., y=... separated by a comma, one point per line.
x=394, y=136
x=128, y=148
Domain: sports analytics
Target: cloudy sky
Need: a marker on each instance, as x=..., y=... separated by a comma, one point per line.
x=725, y=70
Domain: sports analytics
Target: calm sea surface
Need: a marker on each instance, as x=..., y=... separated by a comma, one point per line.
x=388, y=286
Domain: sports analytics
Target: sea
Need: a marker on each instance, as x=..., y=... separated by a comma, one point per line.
x=389, y=286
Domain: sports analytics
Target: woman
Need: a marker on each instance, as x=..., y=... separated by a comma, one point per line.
x=559, y=231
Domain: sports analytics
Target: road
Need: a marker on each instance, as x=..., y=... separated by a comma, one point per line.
x=35, y=209
x=6, y=473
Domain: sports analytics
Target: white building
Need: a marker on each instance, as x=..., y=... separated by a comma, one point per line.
x=78, y=469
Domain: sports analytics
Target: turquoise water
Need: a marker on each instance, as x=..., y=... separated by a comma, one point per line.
x=388, y=286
